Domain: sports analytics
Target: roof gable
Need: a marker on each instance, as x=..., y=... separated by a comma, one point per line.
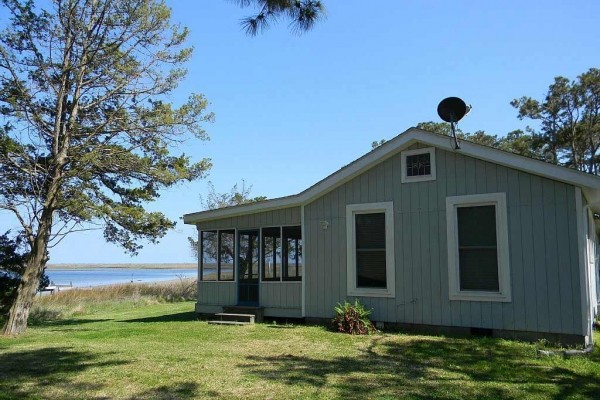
x=589, y=183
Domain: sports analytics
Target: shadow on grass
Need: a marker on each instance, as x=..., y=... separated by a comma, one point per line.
x=281, y=326
x=178, y=317
x=184, y=390
x=433, y=368
x=66, y=322
x=31, y=372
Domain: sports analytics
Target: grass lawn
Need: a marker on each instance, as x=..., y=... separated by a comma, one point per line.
x=159, y=351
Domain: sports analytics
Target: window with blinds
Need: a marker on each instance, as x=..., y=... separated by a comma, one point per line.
x=370, y=250
x=478, y=248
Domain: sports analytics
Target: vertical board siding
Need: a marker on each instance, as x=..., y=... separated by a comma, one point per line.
x=542, y=247
x=283, y=295
x=284, y=216
x=217, y=293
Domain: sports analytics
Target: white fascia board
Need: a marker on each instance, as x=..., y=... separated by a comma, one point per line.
x=530, y=165
x=590, y=183
x=234, y=211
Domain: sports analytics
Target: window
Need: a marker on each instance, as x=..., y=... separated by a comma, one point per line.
x=292, y=253
x=217, y=255
x=226, y=254
x=271, y=253
x=208, y=258
x=370, y=250
x=478, y=247
x=370, y=239
x=418, y=165
x=248, y=260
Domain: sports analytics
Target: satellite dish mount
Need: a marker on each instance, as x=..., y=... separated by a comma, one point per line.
x=453, y=109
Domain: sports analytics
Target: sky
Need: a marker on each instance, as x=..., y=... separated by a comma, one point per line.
x=291, y=109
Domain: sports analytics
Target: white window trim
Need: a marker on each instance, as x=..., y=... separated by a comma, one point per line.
x=351, y=211
x=499, y=201
x=420, y=178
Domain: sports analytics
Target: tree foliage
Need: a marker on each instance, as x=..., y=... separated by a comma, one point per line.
x=376, y=143
x=88, y=131
x=568, y=131
x=516, y=141
x=303, y=14
x=569, y=121
x=238, y=195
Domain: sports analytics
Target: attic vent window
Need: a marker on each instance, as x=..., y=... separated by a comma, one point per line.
x=418, y=165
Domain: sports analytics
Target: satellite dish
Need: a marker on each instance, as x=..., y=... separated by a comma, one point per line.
x=452, y=109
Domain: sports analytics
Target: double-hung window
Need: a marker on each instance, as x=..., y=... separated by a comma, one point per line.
x=478, y=258
x=370, y=257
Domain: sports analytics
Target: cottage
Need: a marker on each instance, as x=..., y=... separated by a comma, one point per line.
x=424, y=234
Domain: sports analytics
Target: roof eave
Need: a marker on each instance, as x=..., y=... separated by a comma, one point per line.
x=244, y=209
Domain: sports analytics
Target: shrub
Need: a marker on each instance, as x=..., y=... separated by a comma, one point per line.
x=353, y=319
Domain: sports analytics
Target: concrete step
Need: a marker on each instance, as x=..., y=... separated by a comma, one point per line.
x=258, y=312
x=237, y=323
x=235, y=317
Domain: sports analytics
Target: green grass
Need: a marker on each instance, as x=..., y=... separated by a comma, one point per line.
x=148, y=350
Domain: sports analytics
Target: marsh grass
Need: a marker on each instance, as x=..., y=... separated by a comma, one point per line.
x=74, y=302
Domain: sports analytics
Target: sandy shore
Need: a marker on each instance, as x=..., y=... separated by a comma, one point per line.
x=125, y=266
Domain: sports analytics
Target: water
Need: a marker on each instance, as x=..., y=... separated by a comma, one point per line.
x=109, y=276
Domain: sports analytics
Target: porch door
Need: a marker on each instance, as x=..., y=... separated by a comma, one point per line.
x=248, y=267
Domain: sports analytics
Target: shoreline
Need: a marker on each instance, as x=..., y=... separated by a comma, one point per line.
x=64, y=288
x=83, y=266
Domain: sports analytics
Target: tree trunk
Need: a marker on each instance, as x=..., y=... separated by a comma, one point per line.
x=36, y=261
x=19, y=311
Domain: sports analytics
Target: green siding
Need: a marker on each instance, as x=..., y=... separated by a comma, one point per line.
x=542, y=239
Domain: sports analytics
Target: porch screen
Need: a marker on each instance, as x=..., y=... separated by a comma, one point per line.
x=292, y=257
x=216, y=255
x=370, y=250
x=226, y=254
x=271, y=251
x=209, y=244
